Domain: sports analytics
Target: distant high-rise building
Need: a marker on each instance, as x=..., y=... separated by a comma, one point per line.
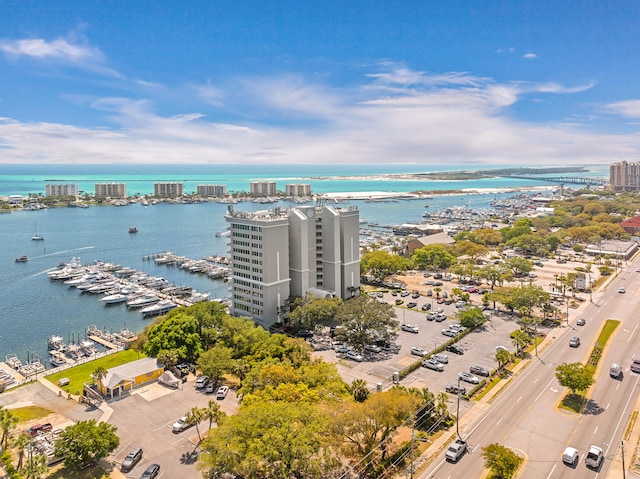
x=61, y=190
x=212, y=190
x=277, y=254
x=300, y=189
x=262, y=187
x=168, y=190
x=624, y=176
x=111, y=190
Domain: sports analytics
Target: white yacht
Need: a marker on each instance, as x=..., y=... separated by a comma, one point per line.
x=161, y=307
x=114, y=298
x=142, y=301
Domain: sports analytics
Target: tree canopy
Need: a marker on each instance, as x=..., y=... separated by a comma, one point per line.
x=575, y=376
x=86, y=442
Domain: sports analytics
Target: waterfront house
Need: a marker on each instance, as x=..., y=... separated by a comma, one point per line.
x=126, y=377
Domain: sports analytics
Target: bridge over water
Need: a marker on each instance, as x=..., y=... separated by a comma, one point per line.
x=563, y=179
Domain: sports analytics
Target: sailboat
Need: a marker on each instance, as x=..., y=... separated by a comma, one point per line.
x=36, y=236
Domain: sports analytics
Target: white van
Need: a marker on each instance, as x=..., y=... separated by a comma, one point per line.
x=615, y=370
x=570, y=456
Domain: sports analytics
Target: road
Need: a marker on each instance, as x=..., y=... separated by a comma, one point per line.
x=525, y=417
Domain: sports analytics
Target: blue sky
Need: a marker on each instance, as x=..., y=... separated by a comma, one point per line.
x=287, y=82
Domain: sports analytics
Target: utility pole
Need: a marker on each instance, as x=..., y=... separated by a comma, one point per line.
x=458, y=412
x=624, y=470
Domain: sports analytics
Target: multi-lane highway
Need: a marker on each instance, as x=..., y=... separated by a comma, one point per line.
x=525, y=416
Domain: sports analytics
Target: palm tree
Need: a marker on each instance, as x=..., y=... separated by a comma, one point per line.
x=520, y=340
x=36, y=467
x=213, y=413
x=359, y=390
x=441, y=404
x=7, y=424
x=21, y=442
x=99, y=373
x=195, y=417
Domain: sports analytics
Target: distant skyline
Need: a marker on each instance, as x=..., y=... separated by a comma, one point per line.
x=438, y=82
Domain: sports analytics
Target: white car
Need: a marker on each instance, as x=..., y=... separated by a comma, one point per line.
x=570, y=456
x=340, y=348
x=621, y=290
x=353, y=355
x=468, y=377
x=222, y=392
x=180, y=425
x=449, y=332
x=441, y=358
x=418, y=351
x=411, y=328
x=372, y=348
x=432, y=364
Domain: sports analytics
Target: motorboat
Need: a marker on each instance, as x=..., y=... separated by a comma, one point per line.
x=56, y=343
x=142, y=301
x=133, y=229
x=56, y=358
x=114, y=298
x=22, y=259
x=12, y=361
x=161, y=307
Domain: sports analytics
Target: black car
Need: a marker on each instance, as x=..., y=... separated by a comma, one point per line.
x=151, y=472
x=454, y=389
x=412, y=304
x=455, y=348
x=131, y=460
x=426, y=307
x=304, y=333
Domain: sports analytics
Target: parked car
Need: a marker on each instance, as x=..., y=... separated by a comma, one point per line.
x=412, y=304
x=574, y=342
x=418, y=351
x=441, y=358
x=222, y=392
x=411, y=328
x=151, y=472
x=201, y=382
x=39, y=429
x=440, y=317
x=415, y=295
x=479, y=370
x=455, y=348
x=340, y=348
x=399, y=302
x=131, y=460
x=304, y=333
x=468, y=377
x=454, y=389
x=209, y=388
x=431, y=316
x=355, y=356
x=372, y=348
x=449, y=332
x=426, y=307
x=432, y=364
x=180, y=425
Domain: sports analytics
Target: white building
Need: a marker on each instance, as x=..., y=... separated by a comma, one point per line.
x=262, y=188
x=61, y=190
x=212, y=190
x=276, y=254
x=298, y=189
x=168, y=189
x=111, y=190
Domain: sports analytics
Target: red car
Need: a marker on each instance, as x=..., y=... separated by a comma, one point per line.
x=440, y=300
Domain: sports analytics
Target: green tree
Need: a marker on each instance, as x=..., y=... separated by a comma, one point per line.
x=99, y=373
x=8, y=422
x=575, y=376
x=195, y=416
x=315, y=311
x=502, y=461
x=216, y=362
x=279, y=440
x=381, y=264
x=471, y=249
x=168, y=357
x=359, y=390
x=35, y=467
x=520, y=339
x=519, y=266
x=502, y=357
x=364, y=319
x=86, y=442
x=177, y=331
x=20, y=443
x=433, y=256
x=213, y=413
x=491, y=273
x=471, y=318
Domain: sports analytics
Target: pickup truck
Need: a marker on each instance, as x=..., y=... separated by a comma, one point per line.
x=456, y=450
x=594, y=457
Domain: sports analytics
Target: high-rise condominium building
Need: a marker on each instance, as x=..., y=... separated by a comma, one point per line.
x=278, y=254
x=61, y=190
x=262, y=187
x=300, y=189
x=168, y=190
x=111, y=190
x=624, y=176
x=212, y=190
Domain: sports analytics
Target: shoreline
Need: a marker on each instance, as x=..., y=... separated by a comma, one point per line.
x=379, y=195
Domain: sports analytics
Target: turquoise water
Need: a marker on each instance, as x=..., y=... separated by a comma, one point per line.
x=32, y=307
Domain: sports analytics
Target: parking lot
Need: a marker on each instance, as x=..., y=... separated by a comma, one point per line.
x=145, y=418
x=479, y=347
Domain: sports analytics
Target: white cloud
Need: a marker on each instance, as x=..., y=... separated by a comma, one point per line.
x=62, y=51
x=396, y=116
x=529, y=56
x=628, y=108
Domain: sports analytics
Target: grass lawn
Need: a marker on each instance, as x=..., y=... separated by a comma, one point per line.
x=29, y=413
x=573, y=402
x=81, y=374
x=92, y=472
x=607, y=330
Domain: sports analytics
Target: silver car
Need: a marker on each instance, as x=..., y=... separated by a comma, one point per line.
x=441, y=358
x=433, y=364
x=468, y=377
x=418, y=351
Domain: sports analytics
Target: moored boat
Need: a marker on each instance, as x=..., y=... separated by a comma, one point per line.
x=114, y=298
x=161, y=307
x=133, y=229
x=13, y=361
x=142, y=301
x=56, y=358
x=22, y=259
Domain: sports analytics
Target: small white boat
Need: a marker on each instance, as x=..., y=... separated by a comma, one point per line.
x=13, y=361
x=56, y=358
x=56, y=343
x=142, y=301
x=161, y=307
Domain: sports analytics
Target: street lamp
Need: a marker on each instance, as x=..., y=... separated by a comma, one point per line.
x=458, y=412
